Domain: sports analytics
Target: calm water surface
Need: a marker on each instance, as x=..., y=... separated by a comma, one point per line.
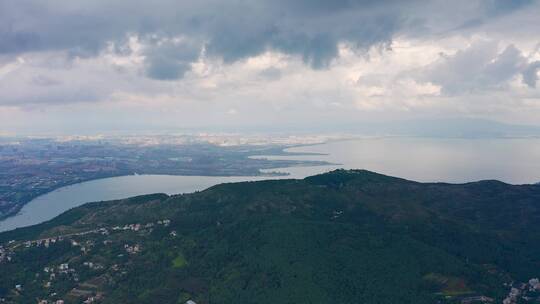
x=47, y=206
x=514, y=161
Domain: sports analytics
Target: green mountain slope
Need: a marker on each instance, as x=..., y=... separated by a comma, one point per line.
x=341, y=237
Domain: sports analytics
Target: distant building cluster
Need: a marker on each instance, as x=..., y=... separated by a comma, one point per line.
x=65, y=271
x=523, y=292
x=32, y=167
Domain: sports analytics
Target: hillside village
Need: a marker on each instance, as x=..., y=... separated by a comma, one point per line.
x=236, y=241
x=84, y=278
x=80, y=274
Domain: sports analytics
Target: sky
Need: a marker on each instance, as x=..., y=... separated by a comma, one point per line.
x=97, y=66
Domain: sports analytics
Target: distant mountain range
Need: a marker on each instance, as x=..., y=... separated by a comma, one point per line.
x=444, y=127
x=348, y=236
x=459, y=127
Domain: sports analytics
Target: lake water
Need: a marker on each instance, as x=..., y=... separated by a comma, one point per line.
x=47, y=206
x=514, y=161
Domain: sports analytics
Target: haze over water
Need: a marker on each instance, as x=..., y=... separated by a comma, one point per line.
x=515, y=161
x=511, y=160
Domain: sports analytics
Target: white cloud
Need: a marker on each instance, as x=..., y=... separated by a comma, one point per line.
x=468, y=59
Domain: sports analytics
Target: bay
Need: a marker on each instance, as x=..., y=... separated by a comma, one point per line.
x=511, y=160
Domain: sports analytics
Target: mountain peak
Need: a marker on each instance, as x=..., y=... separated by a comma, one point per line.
x=341, y=177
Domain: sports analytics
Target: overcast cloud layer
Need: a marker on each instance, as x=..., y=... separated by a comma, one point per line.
x=182, y=64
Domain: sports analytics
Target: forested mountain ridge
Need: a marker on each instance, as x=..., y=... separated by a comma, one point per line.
x=347, y=236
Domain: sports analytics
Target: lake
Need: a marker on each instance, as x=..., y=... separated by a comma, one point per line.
x=514, y=161
x=47, y=206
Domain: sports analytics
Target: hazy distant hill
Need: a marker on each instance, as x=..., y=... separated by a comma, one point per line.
x=341, y=237
x=443, y=128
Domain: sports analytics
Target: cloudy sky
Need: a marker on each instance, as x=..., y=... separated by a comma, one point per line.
x=98, y=65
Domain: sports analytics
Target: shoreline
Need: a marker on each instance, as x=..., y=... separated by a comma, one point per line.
x=28, y=217
x=281, y=152
x=17, y=208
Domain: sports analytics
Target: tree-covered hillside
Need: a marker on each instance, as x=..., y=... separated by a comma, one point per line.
x=341, y=237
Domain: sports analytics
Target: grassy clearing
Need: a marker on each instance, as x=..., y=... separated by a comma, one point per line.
x=448, y=286
x=179, y=261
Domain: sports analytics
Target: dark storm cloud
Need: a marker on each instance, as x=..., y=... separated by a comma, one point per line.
x=491, y=9
x=170, y=60
x=230, y=30
x=499, y=7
